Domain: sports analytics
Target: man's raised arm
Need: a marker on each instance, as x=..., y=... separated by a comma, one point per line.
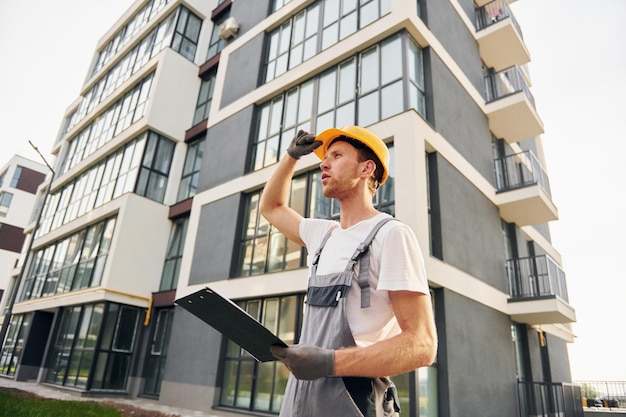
x=274, y=204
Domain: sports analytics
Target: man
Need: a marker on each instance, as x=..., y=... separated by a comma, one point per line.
x=368, y=313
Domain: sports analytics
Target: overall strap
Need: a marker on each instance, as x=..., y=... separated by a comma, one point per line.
x=362, y=252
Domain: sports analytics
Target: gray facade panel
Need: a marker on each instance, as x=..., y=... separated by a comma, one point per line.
x=193, y=351
x=471, y=232
x=245, y=63
x=559, y=359
x=459, y=119
x=242, y=72
x=480, y=358
x=458, y=41
x=249, y=13
x=544, y=230
x=215, y=242
x=225, y=150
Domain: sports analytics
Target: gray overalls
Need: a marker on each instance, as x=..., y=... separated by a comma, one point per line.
x=326, y=325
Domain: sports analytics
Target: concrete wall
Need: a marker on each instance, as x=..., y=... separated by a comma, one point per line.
x=245, y=64
x=225, y=150
x=459, y=119
x=215, y=242
x=478, y=359
x=459, y=42
x=192, y=363
x=471, y=230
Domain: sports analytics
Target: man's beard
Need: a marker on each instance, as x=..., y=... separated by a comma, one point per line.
x=344, y=187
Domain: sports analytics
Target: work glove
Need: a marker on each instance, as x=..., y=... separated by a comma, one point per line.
x=306, y=361
x=302, y=144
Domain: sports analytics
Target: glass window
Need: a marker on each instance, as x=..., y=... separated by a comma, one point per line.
x=427, y=379
x=264, y=248
x=124, y=338
x=186, y=33
x=205, y=98
x=116, y=347
x=127, y=32
x=298, y=39
x=191, y=170
x=74, y=349
x=109, y=179
x=5, y=203
x=216, y=44
x=72, y=263
x=115, y=119
x=179, y=30
x=16, y=176
x=171, y=268
x=361, y=90
x=259, y=386
x=13, y=344
x=289, y=114
x=277, y=4
x=417, y=93
x=94, y=343
x=155, y=167
x=156, y=354
x=381, y=81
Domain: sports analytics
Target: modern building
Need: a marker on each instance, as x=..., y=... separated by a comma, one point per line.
x=161, y=161
x=20, y=178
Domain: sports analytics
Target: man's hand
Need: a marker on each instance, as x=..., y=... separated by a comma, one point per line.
x=302, y=144
x=306, y=361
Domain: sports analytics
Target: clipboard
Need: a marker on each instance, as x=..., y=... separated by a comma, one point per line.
x=232, y=321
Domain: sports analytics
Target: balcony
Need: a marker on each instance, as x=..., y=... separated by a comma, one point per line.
x=538, y=291
x=523, y=190
x=510, y=106
x=499, y=36
x=546, y=399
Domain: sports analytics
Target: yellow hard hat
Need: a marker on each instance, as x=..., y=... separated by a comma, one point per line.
x=361, y=135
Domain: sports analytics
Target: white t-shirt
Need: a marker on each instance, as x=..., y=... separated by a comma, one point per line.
x=396, y=264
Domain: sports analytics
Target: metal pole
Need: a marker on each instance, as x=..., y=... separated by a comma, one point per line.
x=16, y=287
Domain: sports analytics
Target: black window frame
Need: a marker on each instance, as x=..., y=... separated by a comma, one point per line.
x=174, y=256
x=231, y=354
x=307, y=106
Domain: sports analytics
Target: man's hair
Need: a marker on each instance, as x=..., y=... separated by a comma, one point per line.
x=365, y=154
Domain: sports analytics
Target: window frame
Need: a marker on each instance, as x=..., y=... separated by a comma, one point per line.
x=331, y=26
x=205, y=97
x=216, y=44
x=5, y=202
x=78, y=268
x=154, y=364
x=190, y=176
x=174, y=255
x=324, y=101
x=154, y=170
x=230, y=353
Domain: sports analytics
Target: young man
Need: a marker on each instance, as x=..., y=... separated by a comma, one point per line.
x=368, y=313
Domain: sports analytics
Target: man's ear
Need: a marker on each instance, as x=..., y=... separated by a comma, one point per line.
x=369, y=167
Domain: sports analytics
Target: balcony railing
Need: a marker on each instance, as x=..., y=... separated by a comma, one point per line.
x=494, y=12
x=536, y=277
x=543, y=399
x=605, y=394
x=520, y=170
x=506, y=82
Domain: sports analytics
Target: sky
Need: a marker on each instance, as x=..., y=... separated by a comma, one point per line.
x=577, y=71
